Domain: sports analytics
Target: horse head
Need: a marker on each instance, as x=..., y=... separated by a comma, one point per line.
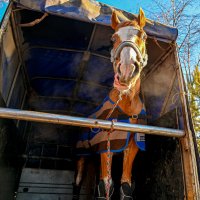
x=128, y=55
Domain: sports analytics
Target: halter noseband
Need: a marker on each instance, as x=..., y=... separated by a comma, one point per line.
x=116, y=53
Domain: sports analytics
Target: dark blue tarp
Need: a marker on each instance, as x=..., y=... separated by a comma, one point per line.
x=95, y=12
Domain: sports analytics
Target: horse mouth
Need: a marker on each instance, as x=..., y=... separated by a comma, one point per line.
x=119, y=85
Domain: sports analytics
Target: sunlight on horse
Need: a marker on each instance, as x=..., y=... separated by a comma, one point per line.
x=123, y=104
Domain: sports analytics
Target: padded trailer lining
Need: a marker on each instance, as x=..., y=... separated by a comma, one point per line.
x=68, y=65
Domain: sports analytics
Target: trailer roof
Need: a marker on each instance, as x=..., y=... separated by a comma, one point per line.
x=95, y=12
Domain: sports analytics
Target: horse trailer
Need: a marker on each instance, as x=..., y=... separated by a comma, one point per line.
x=55, y=70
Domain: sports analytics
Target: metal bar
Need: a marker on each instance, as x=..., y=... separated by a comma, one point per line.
x=70, y=79
x=99, y=55
x=18, y=44
x=44, y=158
x=52, y=48
x=40, y=97
x=91, y=37
x=86, y=122
x=22, y=106
x=35, y=22
x=13, y=84
x=66, y=49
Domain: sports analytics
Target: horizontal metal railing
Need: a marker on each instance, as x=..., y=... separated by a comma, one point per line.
x=86, y=122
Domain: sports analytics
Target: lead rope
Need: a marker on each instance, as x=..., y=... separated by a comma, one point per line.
x=108, y=162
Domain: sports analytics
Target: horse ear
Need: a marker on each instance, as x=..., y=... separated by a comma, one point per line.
x=141, y=19
x=114, y=20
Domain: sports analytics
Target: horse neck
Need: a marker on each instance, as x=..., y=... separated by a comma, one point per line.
x=130, y=103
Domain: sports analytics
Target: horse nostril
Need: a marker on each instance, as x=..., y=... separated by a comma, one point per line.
x=134, y=69
x=118, y=69
x=137, y=66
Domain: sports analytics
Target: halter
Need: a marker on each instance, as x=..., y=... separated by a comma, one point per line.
x=128, y=43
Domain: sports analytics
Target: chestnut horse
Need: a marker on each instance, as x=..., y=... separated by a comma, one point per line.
x=129, y=57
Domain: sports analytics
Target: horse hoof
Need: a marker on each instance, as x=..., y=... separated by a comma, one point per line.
x=101, y=191
x=126, y=191
x=76, y=191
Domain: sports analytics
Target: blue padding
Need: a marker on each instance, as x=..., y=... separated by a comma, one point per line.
x=42, y=103
x=52, y=63
x=99, y=70
x=83, y=108
x=53, y=88
x=92, y=114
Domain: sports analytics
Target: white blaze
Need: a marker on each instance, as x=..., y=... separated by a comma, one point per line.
x=127, y=33
x=128, y=55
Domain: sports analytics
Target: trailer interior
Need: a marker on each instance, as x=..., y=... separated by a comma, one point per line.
x=62, y=65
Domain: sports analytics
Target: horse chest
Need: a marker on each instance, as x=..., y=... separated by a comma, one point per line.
x=130, y=108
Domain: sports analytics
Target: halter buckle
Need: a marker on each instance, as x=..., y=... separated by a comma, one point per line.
x=134, y=116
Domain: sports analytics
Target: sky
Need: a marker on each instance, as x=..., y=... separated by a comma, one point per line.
x=134, y=5
x=3, y=7
x=128, y=5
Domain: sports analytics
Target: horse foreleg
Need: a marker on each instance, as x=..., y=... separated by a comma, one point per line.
x=105, y=176
x=78, y=178
x=80, y=168
x=129, y=156
x=127, y=188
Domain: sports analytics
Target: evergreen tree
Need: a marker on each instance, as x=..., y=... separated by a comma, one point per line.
x=194, y=98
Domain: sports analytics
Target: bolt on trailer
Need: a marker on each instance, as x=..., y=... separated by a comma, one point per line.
x=55, y=70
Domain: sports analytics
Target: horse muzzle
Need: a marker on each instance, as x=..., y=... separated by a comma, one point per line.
x=120, y=85
x=125, y=75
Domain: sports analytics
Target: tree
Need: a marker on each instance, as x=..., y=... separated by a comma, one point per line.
x=194, y=98
x=181, y=14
